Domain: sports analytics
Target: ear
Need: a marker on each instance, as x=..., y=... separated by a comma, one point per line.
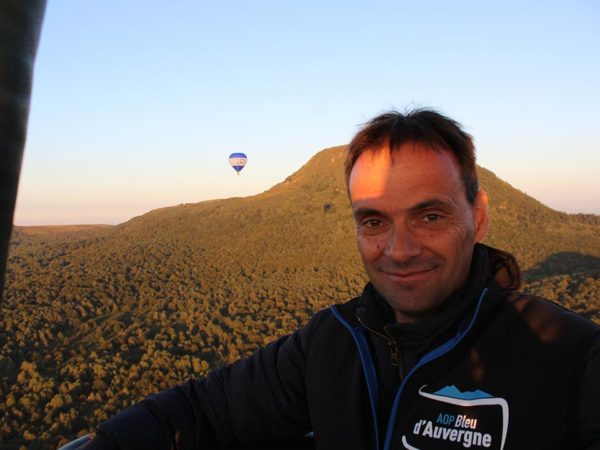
x=480, y=216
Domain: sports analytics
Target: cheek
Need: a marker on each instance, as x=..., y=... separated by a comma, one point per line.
x=460, y=234
x=452, y=243
x=460, y=246
x=369, y=247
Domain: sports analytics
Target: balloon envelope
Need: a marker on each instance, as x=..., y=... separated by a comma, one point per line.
x=238, y=161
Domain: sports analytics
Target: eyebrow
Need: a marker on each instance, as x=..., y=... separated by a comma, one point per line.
x=421, y=206
x=362, y=212
x=430, y=203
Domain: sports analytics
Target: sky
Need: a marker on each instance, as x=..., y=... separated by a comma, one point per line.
x=137, y=105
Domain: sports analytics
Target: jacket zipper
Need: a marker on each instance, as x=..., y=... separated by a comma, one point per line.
x=392, y=344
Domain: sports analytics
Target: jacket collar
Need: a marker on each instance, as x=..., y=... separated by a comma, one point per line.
x=504, y=269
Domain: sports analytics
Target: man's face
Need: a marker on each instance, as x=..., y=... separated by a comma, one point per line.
x=414, y=226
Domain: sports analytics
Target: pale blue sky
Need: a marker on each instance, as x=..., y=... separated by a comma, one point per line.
x=136, y=105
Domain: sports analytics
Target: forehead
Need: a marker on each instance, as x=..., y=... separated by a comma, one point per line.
x=413, y=170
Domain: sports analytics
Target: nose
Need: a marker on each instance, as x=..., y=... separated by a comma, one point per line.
x=402, y=244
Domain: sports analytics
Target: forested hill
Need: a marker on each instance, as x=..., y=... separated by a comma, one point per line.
x=306, y=220
x=95, y=318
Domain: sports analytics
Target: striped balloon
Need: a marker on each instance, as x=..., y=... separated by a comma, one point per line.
x=237, y=161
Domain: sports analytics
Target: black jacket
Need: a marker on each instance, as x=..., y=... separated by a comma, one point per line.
x=493, y=369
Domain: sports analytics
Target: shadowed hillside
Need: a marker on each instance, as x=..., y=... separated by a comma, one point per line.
x=94, y=319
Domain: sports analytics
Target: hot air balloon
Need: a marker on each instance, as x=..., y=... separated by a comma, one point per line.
x=238, y=161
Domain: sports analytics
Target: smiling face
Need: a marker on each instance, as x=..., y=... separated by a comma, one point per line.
x=414, y=226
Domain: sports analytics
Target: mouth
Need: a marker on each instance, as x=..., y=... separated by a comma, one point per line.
x=408, y=276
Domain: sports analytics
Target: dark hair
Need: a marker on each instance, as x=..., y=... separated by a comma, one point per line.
x=423, y=126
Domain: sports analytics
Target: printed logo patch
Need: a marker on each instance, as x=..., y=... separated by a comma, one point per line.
x=458, y=420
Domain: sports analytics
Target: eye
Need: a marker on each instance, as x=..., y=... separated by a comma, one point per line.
x=371, y=226
x=371, y=223
x=432, y=218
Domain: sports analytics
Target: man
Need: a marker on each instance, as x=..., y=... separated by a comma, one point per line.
x=439, y=352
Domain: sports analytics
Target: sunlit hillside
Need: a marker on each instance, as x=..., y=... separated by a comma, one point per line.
x=94, y=319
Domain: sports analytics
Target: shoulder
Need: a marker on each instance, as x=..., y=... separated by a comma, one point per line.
x=546, y=312
x=547, y=320
x=325, y=325
x=326, y=317
x=330, y=316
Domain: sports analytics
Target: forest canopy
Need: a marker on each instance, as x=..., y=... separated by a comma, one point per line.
x=96, y=318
